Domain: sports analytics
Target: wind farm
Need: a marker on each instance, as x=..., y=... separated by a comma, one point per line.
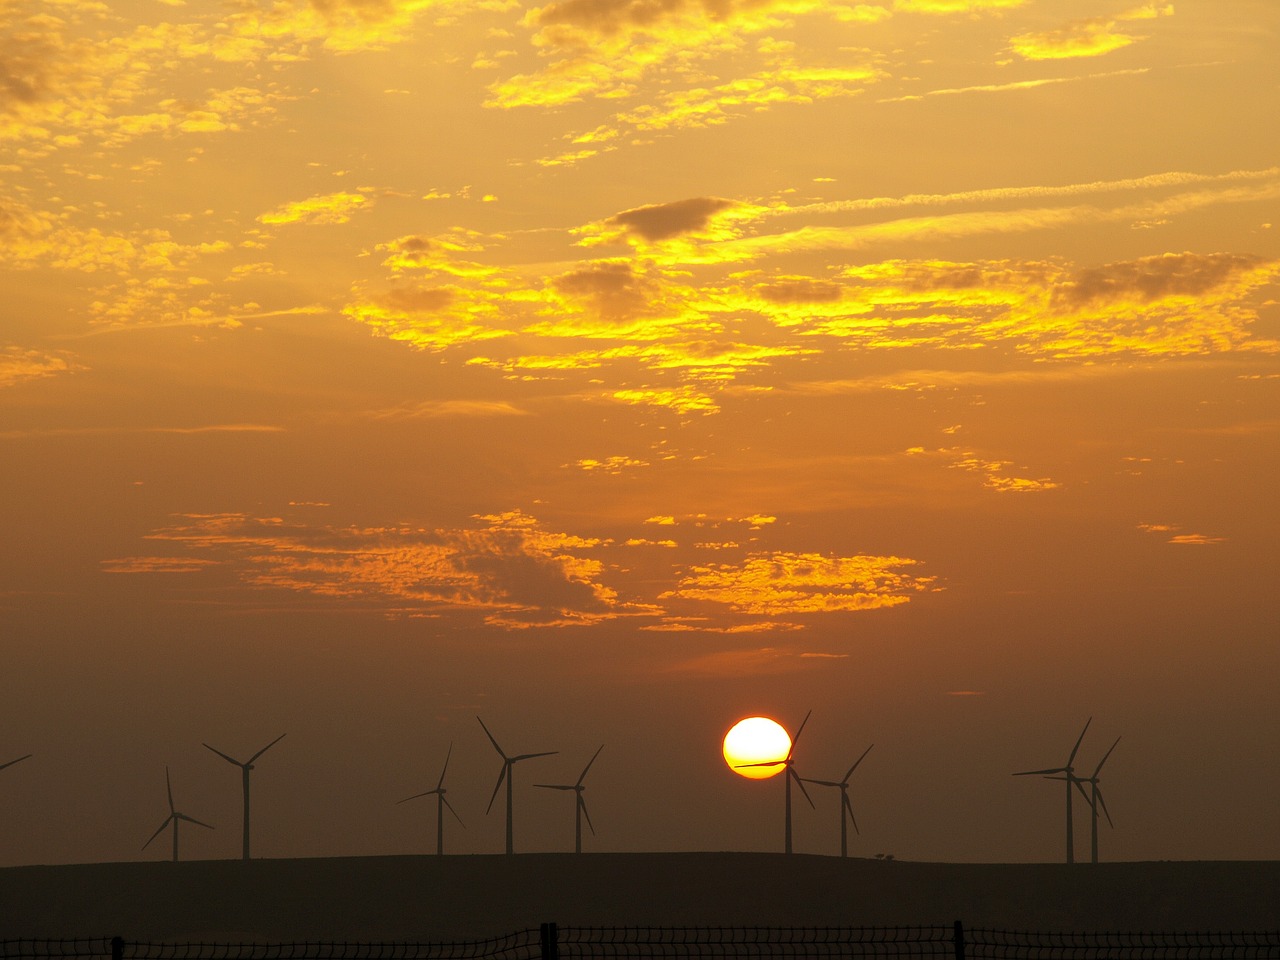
x=450, y=381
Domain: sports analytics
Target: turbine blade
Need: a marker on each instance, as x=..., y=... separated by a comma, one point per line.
x=1098, y=768
x=12, y=762
x=1102, y=802
x=501, y=776
x=198, y=823
x=582, y=776
x=1071, y=759
x=492, y=740
x=822, y=783
x=855, y=764
x=425, y=793
x=848, y=806
x=795, y=776
x=530, y=756
x=225, y=757
x=168, y=785
x=557, y=786
x=1080, y=786
x=798, y=732
x=1033, y=773
x=583, y=805
x=266, y=748
x=766, y=763
x=159, y=830
x=451, y=810
x=445, y=767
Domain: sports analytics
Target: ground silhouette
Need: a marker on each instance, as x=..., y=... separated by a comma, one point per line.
x=431, y=898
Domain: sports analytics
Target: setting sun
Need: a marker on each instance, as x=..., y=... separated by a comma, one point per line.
x=756, y=740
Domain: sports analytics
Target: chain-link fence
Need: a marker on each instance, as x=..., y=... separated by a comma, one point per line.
x=554, y=942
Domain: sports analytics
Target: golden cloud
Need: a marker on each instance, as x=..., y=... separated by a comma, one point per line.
x=18, y=365
x=1091, y=37
x=328, y=208
x=787, y=584
x=510, y=565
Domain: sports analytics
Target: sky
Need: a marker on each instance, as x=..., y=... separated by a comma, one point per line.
x=613, y=370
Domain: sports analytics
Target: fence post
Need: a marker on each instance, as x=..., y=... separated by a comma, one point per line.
x=117, y=948
x=959, y=940
x=550, y=942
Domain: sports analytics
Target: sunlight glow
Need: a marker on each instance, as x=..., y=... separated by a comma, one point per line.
x=756, y=740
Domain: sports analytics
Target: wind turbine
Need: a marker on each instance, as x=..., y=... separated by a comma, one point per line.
x=1070, y=778
x=580, y=807
x=1095, y=799
x=509, y=775
x=789, y=774
x=245, y=767
x=441, y=803
x=12, y=762
x=845, y=805
x=174, y=817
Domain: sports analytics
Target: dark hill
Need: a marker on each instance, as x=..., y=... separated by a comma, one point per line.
x=465, y=897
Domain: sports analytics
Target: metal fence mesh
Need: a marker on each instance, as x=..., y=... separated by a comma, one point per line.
x=713, y=942
x=1010, y=945
x=553, y=942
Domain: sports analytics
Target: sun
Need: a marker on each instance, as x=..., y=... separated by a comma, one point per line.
x=756, y=740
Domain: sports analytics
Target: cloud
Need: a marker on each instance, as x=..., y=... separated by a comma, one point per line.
x=451, y=409
x=508, y=566
x=757, y=662
x=995, y=476
x=328, y=208
x=19, y=365
x=613, y=290
x=1090, y=37
x=800, y=290
x=660, y=221
x=787, y=584
x=1195, y=540
x=157, y=565
x=1170, y=275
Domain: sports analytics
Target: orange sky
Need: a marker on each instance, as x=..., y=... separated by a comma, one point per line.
x=616, y=369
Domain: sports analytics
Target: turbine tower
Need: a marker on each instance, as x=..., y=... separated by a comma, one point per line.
x=789, y=774
x=173, y=818
x=441, y=803
x=1095, y=799
x=508, y=774
x=580, y=806
x=1070, y=777
x=845, y=806
x=245, y=767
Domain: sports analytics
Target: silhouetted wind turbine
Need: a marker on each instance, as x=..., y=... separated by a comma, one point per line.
x=245, y=767
x=441, y=803
x=845, y=805
x=1095, y=799
x=509, y=775
x=580, y=806
x=174, y=817
x=1070, y=778
x=789, y=774
x=12, y=762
